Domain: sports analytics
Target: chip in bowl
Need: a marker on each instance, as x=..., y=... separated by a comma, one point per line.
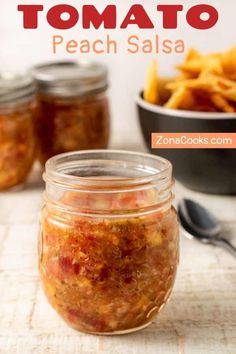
x=205, y=83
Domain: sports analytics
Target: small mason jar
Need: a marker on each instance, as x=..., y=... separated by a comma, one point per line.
x=109, y=241
x=73, y=111
x=17, y=139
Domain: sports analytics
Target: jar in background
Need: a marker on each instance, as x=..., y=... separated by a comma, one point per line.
x=109, y=243
x=73, y=112
x=17, y=139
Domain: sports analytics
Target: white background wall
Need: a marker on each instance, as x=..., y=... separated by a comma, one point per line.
x=21, y=48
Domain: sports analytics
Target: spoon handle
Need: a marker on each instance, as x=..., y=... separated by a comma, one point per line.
x=221, y=242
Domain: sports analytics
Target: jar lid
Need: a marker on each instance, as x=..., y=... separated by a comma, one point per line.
x=15, y=88
x=70, y=78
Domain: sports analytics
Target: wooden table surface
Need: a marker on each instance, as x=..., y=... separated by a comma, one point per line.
x=200, y=318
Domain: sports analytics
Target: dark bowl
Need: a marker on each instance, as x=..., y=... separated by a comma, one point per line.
x=205, y=170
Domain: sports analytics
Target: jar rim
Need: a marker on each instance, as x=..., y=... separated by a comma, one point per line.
x=153, y=170
x=107, y=174
x=70, y=78
x=16, y=88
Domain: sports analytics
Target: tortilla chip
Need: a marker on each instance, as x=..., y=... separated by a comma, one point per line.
x=177, y=98
x=151, y=91
x=221, y=103
x=205, y=82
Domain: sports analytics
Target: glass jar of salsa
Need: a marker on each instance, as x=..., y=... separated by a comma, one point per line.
x=73, y=112
x=17, y=140
x=108, y=246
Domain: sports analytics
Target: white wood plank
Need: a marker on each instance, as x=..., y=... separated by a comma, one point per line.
x=200, y=318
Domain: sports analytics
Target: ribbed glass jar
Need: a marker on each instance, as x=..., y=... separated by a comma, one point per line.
x=109, y=244
x=73, y=108
x=17, y=133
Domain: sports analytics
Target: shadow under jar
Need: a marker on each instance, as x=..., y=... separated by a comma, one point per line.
x=109, y=239
x=17, y=138
x=73, y=110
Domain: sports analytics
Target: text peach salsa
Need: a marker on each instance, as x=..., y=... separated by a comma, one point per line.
x=65, y=17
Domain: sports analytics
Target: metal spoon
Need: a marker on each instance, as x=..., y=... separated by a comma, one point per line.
x=199, y=223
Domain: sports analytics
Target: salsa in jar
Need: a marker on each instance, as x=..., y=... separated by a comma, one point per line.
x=17, y=135
x=108, y=246
x=73, y=110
